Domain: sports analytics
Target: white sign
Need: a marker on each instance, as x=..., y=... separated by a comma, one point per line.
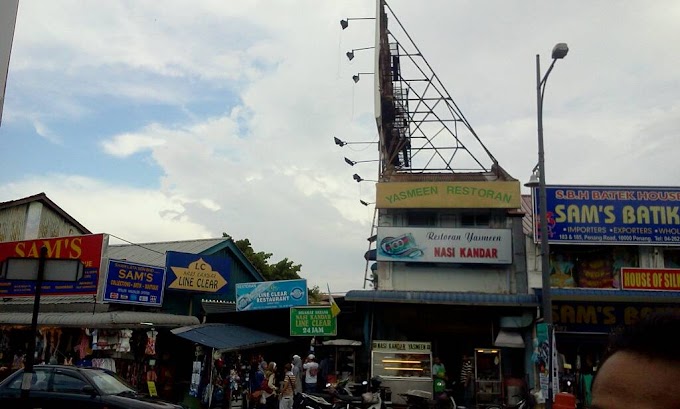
x=439, y=245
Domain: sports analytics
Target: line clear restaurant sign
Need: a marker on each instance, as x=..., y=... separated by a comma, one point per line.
x=313, y=321
x=271, y=294
x=132, y=283
x=441, y=245
x=197, y=273
x=610, y=214
x=88, y=249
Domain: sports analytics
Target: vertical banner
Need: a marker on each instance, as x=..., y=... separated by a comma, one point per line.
x=543, y=355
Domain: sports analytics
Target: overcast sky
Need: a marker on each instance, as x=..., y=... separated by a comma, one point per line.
x=178, y=120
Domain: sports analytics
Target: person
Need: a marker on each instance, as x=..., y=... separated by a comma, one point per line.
x=439, y=375
x=255, y=379
x=467, y=381
x=311, y=368
x=298, y=373
x=287, y=388
x=641, y=366
x=270, y=393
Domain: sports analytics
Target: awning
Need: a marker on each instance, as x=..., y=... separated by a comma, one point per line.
x=111, y=319
x=509, y=339
x=228, y=337
x=611, y=295
x=443, y=297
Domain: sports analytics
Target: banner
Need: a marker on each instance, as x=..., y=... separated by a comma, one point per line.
x=313, y=321
x=448, y=195
x=132, y=283
x=271, y=294
x=610, y=215
x=197, y=273
x=659, y=279
x=88, y=249
x=440, y=245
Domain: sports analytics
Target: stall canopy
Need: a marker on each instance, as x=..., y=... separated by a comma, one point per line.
x=228, y=337
x=111, y=319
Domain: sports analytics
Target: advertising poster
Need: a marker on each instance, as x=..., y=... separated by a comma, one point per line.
x=88, y=249
x=441, y=245
x=197, y=273
x=313, y=321
x=610, y=214
x=271, y=294
x=132, y=283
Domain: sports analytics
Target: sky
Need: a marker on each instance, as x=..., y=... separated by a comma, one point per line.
x=162, y=121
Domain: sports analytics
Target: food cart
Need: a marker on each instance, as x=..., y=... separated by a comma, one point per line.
x=344, y=354
x=403, y=366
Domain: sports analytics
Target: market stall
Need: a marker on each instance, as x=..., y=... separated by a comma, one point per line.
x=403, y=366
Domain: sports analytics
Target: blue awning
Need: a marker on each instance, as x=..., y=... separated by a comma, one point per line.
x=228, y=337
x=611, y=295
x=443, y=297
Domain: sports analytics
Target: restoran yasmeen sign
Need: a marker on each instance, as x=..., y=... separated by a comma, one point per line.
x=439, y=245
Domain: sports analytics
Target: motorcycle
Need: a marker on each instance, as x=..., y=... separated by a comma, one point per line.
x=420, y=399
x=526, y=401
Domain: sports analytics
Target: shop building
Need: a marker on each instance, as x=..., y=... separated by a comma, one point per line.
x=120, y=313
x=614, y=257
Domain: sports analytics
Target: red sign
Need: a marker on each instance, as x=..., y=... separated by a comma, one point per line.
x=660, y=279
x=88, y=249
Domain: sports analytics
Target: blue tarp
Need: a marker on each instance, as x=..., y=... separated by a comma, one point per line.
x=229, y=337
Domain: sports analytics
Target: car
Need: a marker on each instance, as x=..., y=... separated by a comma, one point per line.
x=62, y=386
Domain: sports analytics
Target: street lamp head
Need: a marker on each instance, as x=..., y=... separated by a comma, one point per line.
x=533, y=181
x=560, y=51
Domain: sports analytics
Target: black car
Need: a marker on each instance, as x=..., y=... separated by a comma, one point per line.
x=71, y=387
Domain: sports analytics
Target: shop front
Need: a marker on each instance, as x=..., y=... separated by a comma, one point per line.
x=450, y=326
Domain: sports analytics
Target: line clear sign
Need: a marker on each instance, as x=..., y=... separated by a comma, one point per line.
x=306, y=321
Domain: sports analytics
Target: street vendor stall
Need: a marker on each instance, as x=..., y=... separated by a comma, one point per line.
x=403, y=366
x=344, y=353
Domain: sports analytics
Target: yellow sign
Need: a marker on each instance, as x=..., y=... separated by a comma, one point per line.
x=448, y=195
x=199, y=276
x=152, y=388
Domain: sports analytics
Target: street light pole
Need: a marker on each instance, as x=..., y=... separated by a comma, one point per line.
x=559, y=51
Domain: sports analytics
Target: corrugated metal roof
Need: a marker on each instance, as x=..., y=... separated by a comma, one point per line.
x=115, y=319
x=154, y=253
x=218, y=306
x=527, y=220
x=611, y=295
x=228, y=337
x=442, y=297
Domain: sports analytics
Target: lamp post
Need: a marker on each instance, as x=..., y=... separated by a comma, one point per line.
x=559, y=51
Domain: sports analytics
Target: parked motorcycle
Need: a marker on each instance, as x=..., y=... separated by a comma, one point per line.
x=526, y=401
x=420, y=399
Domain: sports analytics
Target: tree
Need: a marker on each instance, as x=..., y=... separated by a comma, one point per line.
x=282, y=270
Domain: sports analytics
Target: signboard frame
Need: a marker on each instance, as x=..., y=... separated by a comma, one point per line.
x=298, y=329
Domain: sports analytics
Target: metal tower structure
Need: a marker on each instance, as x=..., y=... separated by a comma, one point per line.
x=421, y=128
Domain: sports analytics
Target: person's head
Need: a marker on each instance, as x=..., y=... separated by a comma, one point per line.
x=310, y=357
x=288, y=367
x=271, y=368
x=437, y=360
x=641, y=367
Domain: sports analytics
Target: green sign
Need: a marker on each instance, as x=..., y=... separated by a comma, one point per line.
x=312, y=321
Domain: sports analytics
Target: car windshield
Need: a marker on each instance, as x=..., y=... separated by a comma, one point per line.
x=110, y=384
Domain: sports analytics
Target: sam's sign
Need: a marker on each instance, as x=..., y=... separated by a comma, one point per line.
x=606, y=214
x=132, y=283
x=448, y=195
x=88, y=249
x=601, y=317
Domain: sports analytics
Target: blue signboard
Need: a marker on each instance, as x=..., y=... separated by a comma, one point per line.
x=131, y=283
x=611, y=215
x=197, y=272
x=271, y=294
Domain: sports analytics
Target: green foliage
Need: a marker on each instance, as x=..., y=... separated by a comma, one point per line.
x=281, y=270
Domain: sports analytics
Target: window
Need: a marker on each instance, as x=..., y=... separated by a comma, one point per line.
x=475, y=220
x=68, y=383
x=671, y=258
x=38, y=383
x=423, y=219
